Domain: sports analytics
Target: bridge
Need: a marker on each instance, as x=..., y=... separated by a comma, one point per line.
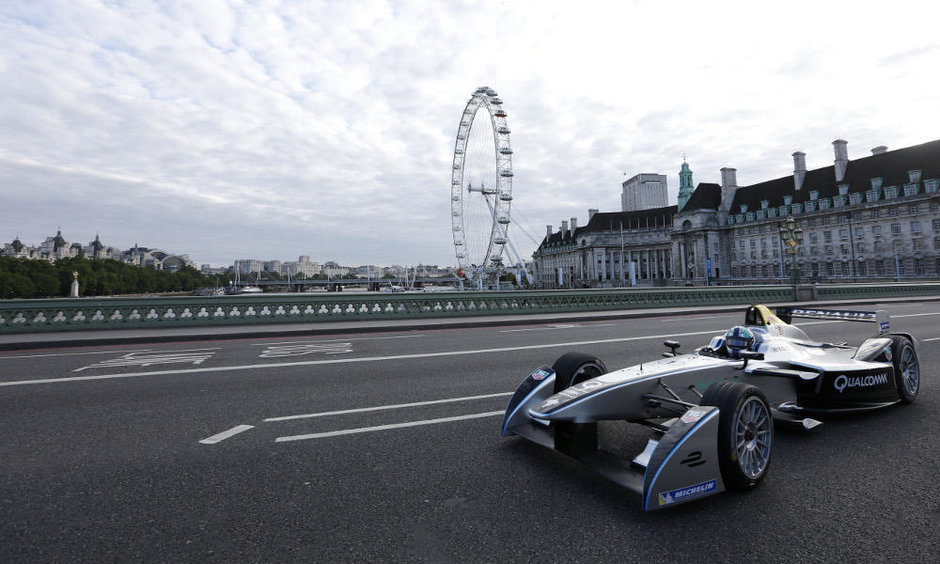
x=337, y=284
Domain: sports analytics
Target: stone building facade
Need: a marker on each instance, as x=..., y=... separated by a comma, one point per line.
x=876, y=218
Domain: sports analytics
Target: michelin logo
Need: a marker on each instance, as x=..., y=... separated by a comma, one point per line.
x=842, y=381
x=682, y=494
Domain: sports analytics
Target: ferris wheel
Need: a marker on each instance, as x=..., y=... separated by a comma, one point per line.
x=481, y=188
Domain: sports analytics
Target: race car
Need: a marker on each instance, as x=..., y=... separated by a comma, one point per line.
x=713, y=411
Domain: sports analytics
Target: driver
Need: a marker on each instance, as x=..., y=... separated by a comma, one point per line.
x=737, y=339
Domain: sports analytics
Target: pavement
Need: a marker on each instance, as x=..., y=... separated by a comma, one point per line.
x=64, y=339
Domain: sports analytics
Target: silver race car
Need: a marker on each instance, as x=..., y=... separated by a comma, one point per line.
x=713, y=411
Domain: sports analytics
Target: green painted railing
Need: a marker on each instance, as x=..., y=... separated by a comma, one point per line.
x=21, y=316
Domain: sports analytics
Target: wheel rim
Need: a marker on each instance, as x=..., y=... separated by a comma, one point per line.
x=753, y=437
x=910, y=370
x=586, y=372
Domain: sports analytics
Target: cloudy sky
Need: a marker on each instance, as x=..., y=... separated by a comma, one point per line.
x=231, y=129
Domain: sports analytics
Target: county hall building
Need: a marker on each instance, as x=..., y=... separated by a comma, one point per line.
x=875, y=218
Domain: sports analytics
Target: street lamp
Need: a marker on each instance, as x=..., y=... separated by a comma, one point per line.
x=792, y=238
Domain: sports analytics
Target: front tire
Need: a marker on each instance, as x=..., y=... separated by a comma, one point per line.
x=906, y=368
x=745, y=433
x=573, y=368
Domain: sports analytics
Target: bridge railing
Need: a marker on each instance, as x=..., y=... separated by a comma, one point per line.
x=21, y=316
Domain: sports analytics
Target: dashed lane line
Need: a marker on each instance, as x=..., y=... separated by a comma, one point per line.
x=386, y=427
x=219, y=437
x=210, y=369
x=384, y=407
x=317, y=341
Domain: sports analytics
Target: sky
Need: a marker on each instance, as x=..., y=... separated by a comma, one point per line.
x=228, y=129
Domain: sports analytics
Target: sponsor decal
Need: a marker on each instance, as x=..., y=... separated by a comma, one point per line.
x=694, y=414
x=885, y=325
x=688, y=492
x=833, y=314
x=540, y=374
x=842, y=381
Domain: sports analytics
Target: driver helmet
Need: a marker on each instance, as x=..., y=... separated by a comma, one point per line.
x=737, y=339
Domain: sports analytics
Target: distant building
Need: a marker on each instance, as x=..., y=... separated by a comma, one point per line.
x=874, y=218
x=643, y=192
x=56, y=247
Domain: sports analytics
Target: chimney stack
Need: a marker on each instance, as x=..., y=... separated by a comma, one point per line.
x=548, y=231
x=591, y=213
x=842, y=158
x=564, y=227
x=799, y=169
x=880, y=149
x=574, y=224
x=729, y=183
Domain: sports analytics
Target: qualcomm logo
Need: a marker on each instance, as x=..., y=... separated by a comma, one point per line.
x=842, y=381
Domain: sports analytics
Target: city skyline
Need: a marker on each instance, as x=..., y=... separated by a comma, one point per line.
x=327, y=129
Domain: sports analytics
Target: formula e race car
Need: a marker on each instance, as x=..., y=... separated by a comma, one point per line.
x=713, y=411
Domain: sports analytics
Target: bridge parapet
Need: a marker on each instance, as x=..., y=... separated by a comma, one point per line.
x=27, y=316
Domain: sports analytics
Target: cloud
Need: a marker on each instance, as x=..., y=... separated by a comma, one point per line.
x=272, y=130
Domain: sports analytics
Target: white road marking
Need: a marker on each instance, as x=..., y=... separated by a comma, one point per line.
x=383, y=407
x=43, y=355
x=914, y=315
x=191, y=356
x=558, y=326
x=278, y=343
x=932, y=339
x=362, y=359
x=386, y=427
x=280, y=351
x=218, y=438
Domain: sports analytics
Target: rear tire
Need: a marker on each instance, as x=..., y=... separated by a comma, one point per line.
x=745, y=433
x=906, y=368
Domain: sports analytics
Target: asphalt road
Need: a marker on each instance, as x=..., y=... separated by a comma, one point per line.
x=386, y=448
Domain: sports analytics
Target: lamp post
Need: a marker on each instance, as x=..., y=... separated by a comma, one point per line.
x=792, y=237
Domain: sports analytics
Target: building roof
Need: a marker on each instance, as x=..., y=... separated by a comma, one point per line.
x=613, y=221
x=891, y=166
x=707, y=196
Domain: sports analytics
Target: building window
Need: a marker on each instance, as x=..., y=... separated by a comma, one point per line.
x=891, y=192
x=827, y=236
x=859, y=232
x=825, y=221
x=814, y=195
x=855, y=199
x=893, y=212
x=862, y=268
x=871, y=196
x=813, y=237
x=811, y=222
x=876, y=183
x=828, y=249
x=876, y=230
x=824, y=204
x=860, y=247
x=814, y=251
x=797, y=208
x=919, y=267
x=830, y=270
x=915, y=227
x=810, y=206
x=844, y=248
x=879, y=268
x=875, y=214
x=843, y=234
x=913, y=176
x=914, y=209
x=910, y=189
x=776, y=253
x=930, y=186
x=895, y=228
x=918, y=244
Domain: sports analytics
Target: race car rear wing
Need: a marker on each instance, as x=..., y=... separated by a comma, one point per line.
x=880, y=317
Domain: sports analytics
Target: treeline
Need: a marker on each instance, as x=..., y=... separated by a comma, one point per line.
x=23, y=278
